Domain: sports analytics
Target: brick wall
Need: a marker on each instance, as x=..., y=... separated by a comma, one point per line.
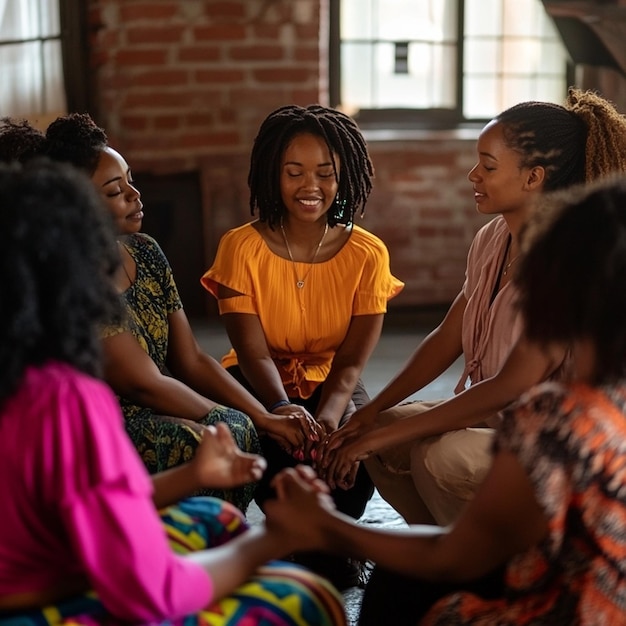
x=182, y=86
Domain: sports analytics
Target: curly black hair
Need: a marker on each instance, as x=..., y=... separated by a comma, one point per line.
x=75, y=139
x=57, y=259
x=579, y=142
x=571, y=278
x=19, y=140
x=343, y=138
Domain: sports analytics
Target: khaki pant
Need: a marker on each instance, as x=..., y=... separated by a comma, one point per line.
x=431, y=480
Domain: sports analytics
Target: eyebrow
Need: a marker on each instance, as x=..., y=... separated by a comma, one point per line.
x=327, y=164
x=116, y=178
x=488, y=154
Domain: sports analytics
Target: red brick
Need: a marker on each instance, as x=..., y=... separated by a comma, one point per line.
x=218, y=76
x=257, y=52
x=207, y=140
x=230, y=9
x=155, y=34
x=134, y=122
x=284, y=75
x=166, y=122
x=135, y=57
x=220, y=32
x=147, y=10
x=199, y=54
x=161, y=78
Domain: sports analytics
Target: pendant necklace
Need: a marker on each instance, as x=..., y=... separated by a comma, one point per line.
x=300, y=281
x=505, y=271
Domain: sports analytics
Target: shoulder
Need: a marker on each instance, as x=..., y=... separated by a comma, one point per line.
x=367, y=241
x=493, y=231
x=241, y=234
x=143, y=245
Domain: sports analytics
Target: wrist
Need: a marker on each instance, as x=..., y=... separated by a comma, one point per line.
x=277, y=405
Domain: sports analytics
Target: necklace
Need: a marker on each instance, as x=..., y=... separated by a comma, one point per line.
x=505, y=271
x=119, y=243
x=300, y=281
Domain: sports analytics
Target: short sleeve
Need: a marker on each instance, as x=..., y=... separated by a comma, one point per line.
x=377, y=285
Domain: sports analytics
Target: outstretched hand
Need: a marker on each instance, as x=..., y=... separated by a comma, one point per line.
x=300, y=508
x=220, y=464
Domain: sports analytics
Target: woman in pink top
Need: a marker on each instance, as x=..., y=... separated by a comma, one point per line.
x=82, y=542
x=429, y=465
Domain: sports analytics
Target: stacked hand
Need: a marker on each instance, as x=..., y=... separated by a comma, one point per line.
x=295, y=430
x=343, y=449
x=301, y=507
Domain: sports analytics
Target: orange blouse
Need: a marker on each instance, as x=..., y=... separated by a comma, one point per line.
x=303, y=327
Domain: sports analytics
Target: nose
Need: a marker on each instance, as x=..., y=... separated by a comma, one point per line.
x=472, y=175
x=133, y=193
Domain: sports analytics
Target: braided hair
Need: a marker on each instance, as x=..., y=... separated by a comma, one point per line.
x=576, y=143
x=343, y=138
x=19, y=140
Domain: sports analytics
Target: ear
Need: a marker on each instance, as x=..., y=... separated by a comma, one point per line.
x=535, y=178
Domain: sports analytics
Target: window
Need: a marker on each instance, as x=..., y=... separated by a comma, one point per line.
x=442, y=62
x=42, y=57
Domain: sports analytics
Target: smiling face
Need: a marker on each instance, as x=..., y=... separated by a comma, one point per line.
x=114, y=182
x=307, y=177
x=501, y=184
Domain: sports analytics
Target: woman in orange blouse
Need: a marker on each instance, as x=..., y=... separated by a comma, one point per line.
x=302, y=290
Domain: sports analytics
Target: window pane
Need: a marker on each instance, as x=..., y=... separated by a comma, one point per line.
x=404, y=54
x=357, y=70
x=482, y=98
x=31, y=81
x=483, y=17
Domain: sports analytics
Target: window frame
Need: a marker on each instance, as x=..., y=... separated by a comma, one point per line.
x=406, y=118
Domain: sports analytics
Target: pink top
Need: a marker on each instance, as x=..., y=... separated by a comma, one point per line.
x=490, y=330
x=77, y=502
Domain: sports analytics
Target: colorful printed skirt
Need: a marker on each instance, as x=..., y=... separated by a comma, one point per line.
x=279, y=594
x=164, y=442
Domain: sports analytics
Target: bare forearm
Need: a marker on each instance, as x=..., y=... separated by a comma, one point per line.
x=210, y=379
x=336, y=394
x=171, y=486
x=232, y=564
x=167, y=396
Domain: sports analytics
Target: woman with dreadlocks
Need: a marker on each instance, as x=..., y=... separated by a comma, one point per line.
x=302, y=290
x=428, y=461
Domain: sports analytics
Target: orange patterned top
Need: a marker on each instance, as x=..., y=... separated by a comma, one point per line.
x=571, y=439
x=303, y=327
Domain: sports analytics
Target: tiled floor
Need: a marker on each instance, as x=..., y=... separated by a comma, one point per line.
x=401, y=334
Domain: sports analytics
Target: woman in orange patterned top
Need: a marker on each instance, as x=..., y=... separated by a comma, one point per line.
x=551, y=513
x=302, y=290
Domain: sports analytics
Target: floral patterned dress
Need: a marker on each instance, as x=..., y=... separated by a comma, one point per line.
x=164, y=441
x=571, y=439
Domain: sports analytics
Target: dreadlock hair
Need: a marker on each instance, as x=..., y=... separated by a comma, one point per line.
x=19, y=140
x=579, y=142
x=343, y=138
x=76, y=139
x=571, y=277
x=57, y=260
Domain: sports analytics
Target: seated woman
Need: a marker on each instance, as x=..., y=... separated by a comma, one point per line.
x=543, y=540
x=303, y=290
x=168, y=387
x=82, y=542
x=428, y=461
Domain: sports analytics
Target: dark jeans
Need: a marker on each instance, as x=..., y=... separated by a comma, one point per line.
x=400, y=600
x=352, y=501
